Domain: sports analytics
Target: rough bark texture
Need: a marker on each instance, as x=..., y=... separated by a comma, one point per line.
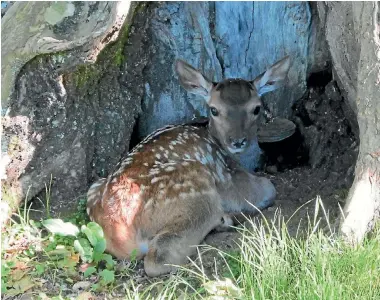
x=223, y=39
x=63, y=117
x=353, y=34
x=33, y=28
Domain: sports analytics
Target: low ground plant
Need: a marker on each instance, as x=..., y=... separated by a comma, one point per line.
x=66, y=259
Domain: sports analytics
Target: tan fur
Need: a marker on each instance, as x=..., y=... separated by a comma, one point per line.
x=181, y=182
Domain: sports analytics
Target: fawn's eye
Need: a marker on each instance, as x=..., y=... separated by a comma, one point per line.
x=256, y=110
x=214, y=111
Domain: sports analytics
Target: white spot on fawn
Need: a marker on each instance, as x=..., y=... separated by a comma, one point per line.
x=153, y=172
x=177, y=186
x=155, y=179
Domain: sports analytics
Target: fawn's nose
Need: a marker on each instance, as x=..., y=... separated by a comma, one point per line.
x=239, y=143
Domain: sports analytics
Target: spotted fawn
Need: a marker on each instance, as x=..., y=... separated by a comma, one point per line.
x=182, y=181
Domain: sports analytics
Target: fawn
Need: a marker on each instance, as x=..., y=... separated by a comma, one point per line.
x=181, y=182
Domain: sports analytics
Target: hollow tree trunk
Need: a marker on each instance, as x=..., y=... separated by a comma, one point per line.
x=363, y=204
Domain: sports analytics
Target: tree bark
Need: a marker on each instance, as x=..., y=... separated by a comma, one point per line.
x=363, y=204
x=61, y=62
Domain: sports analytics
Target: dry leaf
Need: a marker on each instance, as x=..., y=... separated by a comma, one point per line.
x=21, y=286
x=85, y=296
x=21, y=265
x=17, y=274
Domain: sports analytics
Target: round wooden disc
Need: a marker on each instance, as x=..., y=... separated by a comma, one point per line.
x=276, y=130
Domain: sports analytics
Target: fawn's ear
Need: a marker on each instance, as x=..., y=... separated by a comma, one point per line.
x=272, y=78
x=192, y=80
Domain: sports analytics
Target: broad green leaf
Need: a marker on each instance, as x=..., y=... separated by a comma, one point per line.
x=89, y=271
x=110, y=263
x=95, y=287
x=107, y=276
x=40, y=269
x=3, y=287
x=83, y=247
x=90, y=235
x=57, y=226
x=5, y=269
x=96, y=230
x=97, y=257
x=100, y=246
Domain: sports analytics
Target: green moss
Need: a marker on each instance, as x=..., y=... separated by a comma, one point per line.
x=115, y=49
x=85, y=74
x=112, y=56
x=113, y=52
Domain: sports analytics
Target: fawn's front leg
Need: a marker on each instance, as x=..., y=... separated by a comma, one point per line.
x=247, y=194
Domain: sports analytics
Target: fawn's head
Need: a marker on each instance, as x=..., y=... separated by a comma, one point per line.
x=234, y=103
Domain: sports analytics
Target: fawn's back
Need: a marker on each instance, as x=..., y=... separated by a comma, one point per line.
x=177, y=162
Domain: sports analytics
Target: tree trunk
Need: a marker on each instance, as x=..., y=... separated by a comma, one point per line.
x=363, y=204
x=60, y=60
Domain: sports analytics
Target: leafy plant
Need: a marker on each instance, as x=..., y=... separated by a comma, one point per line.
x=88, y=242
x=57, y=226
x=92, y=249
x=5, y=270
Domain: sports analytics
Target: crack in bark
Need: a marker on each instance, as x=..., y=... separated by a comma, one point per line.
x=249, y=38
x=221, y=62
x=215, y=38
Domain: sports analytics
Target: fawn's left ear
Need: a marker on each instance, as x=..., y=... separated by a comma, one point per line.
x=272, y=78
x=192, y=80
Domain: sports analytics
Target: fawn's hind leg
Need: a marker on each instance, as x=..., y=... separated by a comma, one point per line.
x=174, y=243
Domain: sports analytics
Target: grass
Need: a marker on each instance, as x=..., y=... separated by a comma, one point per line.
x=267, y=263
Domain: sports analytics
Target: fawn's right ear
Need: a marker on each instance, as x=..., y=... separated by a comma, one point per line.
x=192, y=80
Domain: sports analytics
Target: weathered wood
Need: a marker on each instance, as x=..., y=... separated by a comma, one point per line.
x=32, y=28
x=223, y=39
x=353, y=35
x=362, y=209
x=53, y=97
